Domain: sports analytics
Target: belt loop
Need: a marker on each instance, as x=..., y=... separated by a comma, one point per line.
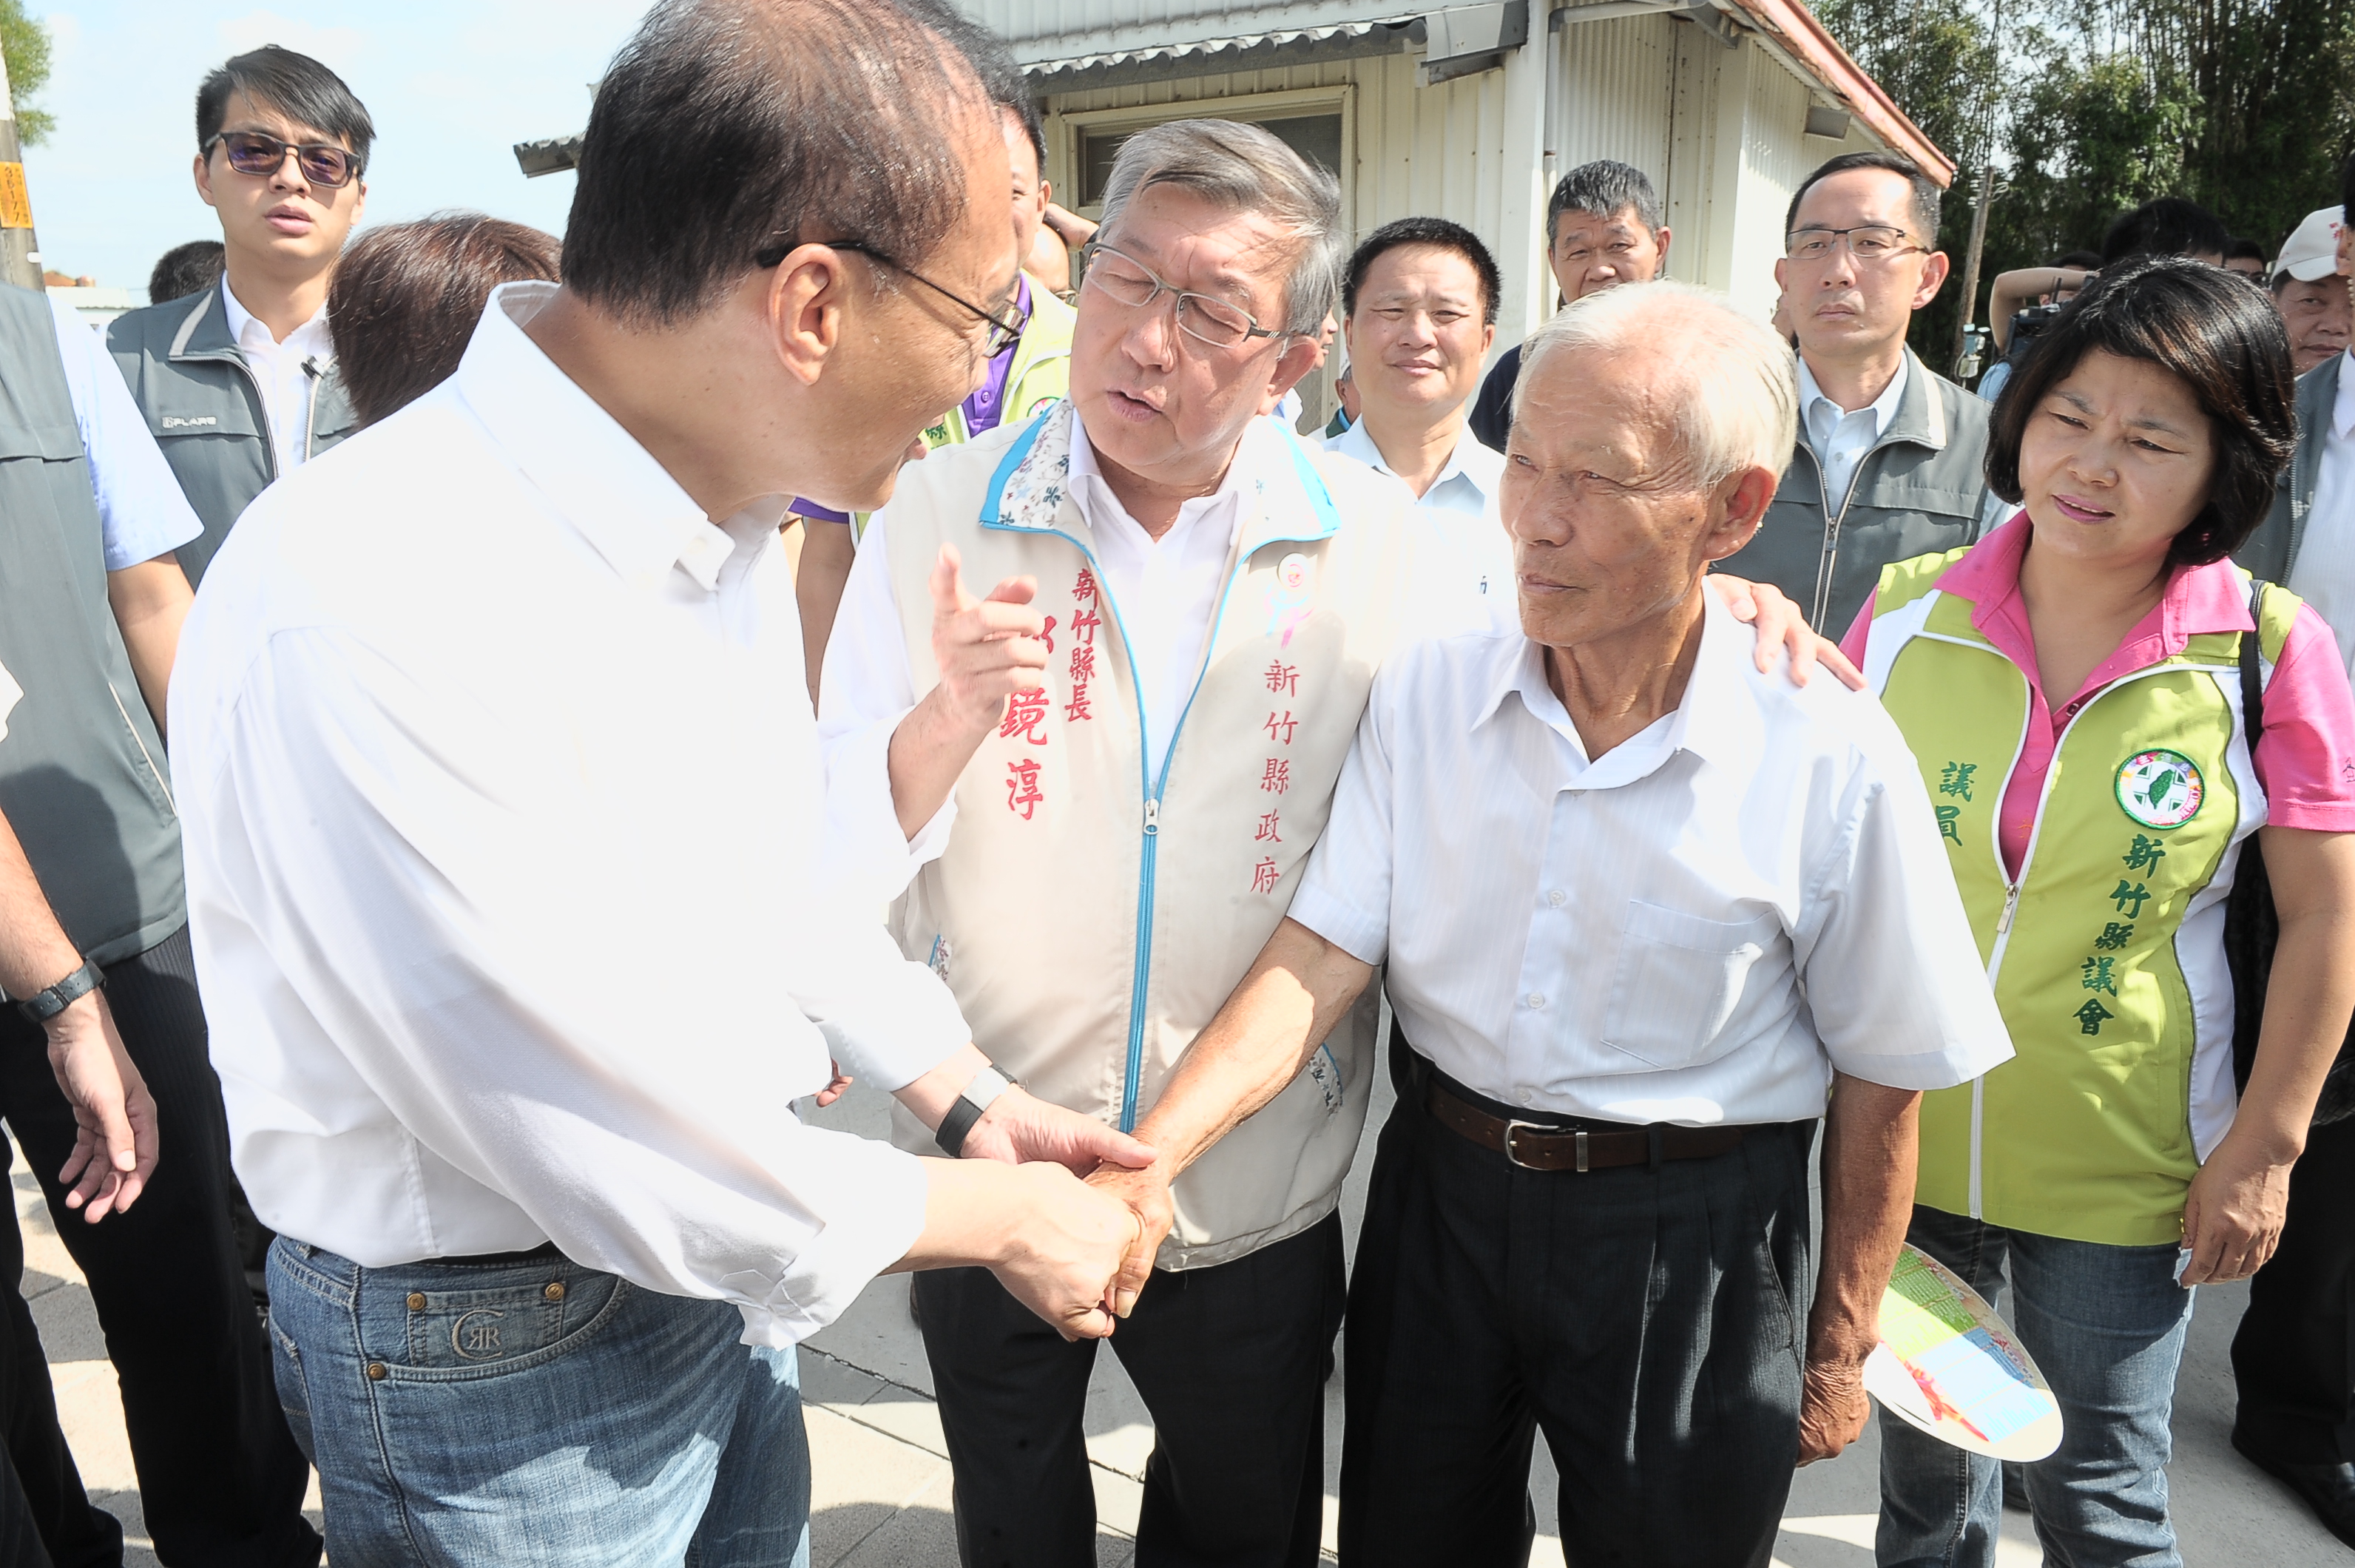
x=1658, y=1141
x=1581, y=1148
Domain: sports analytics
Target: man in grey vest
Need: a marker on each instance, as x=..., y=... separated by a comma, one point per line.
x=238, y=383
x=83, y=784
x=1887, y=463
x=2291, y=1359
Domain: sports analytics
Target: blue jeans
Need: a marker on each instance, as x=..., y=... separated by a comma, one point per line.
x=2105, y=1325
x=535, y=1413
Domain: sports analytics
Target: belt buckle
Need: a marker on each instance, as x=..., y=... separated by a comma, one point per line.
x=1513, y=1126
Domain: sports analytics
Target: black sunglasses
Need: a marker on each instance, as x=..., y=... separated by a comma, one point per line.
x=1003, y=329
x=261, y=153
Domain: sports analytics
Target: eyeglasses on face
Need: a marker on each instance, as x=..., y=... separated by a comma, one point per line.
x=1868, y=242
x=262, y=155
x=1129, y=283
x=1004, y=330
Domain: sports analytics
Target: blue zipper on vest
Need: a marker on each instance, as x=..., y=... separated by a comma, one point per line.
x=1153, y=789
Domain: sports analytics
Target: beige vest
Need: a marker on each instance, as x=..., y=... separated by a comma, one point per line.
x=1090, y=919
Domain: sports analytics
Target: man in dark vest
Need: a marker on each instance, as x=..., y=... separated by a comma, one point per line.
x=83, y=784
x=238, y=383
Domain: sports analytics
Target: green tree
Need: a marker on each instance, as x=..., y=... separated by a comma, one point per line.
x=25, y=44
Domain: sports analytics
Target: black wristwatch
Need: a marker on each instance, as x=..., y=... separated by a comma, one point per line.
x=43, y=1006
x=976, y=1096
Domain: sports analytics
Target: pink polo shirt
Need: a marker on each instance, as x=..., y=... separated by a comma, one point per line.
x=2305, y=759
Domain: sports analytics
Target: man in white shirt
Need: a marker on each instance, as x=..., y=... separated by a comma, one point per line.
x=239, y=384
x=504, y=838
x=1886, y=464
x=1418, y=308
x=1642, y=906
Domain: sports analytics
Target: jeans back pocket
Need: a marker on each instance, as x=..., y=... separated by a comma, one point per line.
x=1676, y=981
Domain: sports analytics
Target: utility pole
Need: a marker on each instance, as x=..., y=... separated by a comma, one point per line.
x=1971, y=259
x=20, y=253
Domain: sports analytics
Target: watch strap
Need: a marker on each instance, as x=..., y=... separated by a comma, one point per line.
x=44, y=1005
x=978, y=1095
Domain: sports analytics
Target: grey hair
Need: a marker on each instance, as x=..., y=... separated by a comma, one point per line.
x=1605, y=189
x=1244, y=169
x=1739, y=403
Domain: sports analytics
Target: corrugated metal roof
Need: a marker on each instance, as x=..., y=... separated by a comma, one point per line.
x=1336, y=41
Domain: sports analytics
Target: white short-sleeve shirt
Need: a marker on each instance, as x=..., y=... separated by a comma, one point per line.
x=1698, y=927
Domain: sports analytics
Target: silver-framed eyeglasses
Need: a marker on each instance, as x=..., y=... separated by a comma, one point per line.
x=1868, y=242
x=1129, y=283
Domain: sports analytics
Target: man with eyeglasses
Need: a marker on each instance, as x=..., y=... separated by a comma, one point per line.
x=1887, y=465
x=239, y=384
x=1093, y=791
x=1029, y=369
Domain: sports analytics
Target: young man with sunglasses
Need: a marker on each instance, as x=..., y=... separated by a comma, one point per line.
x=239, y=384
x=1887, y=462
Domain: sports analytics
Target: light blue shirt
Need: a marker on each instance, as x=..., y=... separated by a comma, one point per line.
x=1461, y=504
x=141, y=510
x=1840, y=438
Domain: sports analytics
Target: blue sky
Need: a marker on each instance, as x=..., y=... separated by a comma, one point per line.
x=451, y=84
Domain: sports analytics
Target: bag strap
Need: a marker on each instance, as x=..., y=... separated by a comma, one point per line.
x=2252, y=681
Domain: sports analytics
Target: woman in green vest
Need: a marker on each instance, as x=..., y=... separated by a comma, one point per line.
x=2070, y=687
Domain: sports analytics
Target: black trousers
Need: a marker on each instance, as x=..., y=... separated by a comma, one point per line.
x=220, y=1477
x=1231, y=1360
x=2293, y=1356
x=1649, y=1319
x=46, y=1517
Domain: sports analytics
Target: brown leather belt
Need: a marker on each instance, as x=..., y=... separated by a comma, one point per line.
x=1534, y=1146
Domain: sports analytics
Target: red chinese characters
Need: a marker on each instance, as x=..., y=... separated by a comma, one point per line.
x=1267, y=833
x=1280, y=728
x=1084, y=621
x=1022, y=788
x=1024, y=712
x=1264, y=876
x=1284, y=678
x=1277, y=778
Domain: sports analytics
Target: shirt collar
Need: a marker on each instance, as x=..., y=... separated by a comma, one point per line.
x=1884, y=408
x=1473, y=460
x=1716, y=719
x=2198, y=600
x=593, y=471
x=247, y=331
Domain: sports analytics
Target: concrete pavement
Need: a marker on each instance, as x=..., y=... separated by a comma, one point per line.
x=881, y=1476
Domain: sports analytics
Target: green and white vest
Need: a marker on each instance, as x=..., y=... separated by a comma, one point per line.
x=2106, y=954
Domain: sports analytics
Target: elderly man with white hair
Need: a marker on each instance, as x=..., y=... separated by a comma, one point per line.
x=1645, y=910
x=1098, y=786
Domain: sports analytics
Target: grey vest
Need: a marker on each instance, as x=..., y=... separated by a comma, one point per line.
x=2271, y=550
x=191, y=379
x=82, y=777
x=1918, y=491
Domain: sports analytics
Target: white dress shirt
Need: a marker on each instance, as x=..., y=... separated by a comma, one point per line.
x=1168, y=589
x=2324, y=574
x=502, y=802
x=1461, y=505
x=1696, y=927
x=141, y=512
x=1840, y=438
x=286, y=372
x=9, y=694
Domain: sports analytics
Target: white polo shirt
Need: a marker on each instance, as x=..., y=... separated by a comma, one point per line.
x=1697, y=926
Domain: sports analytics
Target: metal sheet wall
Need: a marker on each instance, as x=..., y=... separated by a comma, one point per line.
x=1042, y=29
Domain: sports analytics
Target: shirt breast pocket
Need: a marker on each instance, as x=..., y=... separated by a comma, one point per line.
x=1676, y=981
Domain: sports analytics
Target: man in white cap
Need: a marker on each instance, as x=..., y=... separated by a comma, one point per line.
x=2311, y=291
